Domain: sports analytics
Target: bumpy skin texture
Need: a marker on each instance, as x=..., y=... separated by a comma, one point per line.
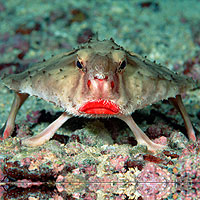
x=99, y=79
x=140, y=83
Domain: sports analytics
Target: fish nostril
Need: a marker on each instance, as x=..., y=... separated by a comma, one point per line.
x=112, y=84
x=89, y=83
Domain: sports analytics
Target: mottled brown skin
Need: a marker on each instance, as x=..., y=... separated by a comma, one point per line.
x=99, y=79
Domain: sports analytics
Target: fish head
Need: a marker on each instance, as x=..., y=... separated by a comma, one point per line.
x=101, y=66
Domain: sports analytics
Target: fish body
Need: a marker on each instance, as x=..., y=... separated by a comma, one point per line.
x=99, y=79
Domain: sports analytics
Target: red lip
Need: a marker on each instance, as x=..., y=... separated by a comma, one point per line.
x=100, y=107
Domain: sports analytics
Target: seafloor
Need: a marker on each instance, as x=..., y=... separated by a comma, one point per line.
x=96, y=158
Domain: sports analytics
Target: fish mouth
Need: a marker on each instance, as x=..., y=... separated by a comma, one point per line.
x=100, y=107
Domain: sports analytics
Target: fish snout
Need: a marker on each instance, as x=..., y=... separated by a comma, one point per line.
x=101, y=86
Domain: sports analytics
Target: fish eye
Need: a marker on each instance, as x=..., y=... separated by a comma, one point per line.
x=79, y=65
x=122, y=65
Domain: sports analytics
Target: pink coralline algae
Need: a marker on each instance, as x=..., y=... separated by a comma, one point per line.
x=117, y=163
x=154, y=182
x=25, y=183
x=187, y=171
x=90, y=170
x=87, y=170
x=107, y=183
